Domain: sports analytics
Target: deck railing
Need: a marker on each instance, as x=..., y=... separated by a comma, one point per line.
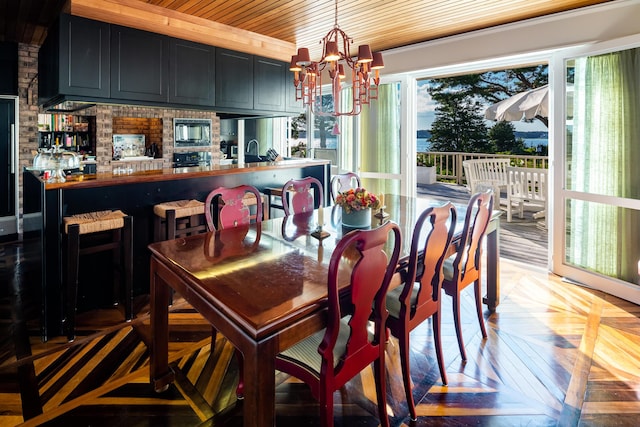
x=449, y=164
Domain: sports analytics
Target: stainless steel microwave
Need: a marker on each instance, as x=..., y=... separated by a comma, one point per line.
x=192, y=132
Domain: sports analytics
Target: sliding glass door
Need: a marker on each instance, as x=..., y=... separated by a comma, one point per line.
x=599, y=196
x=371, y=143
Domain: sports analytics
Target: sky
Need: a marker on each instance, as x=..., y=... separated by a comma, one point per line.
x=426, y=113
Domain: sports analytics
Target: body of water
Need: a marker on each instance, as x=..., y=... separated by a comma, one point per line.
x=423, y=143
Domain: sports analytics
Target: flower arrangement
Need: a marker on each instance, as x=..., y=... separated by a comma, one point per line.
x=357, y=199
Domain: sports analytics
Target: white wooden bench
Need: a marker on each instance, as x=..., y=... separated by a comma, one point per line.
x=483, y=173
x=526, y=185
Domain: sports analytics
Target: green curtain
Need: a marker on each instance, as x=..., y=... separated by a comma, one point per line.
x=345, y=139
x=380, y=138
x=605, y=159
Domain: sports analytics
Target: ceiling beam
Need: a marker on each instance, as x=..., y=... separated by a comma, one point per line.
x=143, y=16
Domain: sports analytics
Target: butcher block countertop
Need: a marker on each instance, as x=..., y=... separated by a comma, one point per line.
x=110, y=179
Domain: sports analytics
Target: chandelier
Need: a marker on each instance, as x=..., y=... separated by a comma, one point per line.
x=364, y=72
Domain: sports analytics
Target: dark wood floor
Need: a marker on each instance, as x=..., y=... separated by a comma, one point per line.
x=556, y=354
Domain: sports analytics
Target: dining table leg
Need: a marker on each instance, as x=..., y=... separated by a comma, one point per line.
x=492, y=298
x=160, y=373
x=259, y=405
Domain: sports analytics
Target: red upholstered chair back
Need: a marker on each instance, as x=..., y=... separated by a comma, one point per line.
x=370, y=278
x=233, y=206
x=302, y=199
x=342, y=182
x=330, y=358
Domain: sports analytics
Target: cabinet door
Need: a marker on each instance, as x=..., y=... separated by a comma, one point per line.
x=234, y=79
x=268, y=84
x=139, y=65
x=9, y=69
x=74, y=59
x=191, y=73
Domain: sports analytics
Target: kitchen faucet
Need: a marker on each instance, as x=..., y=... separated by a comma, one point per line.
x=257, y=144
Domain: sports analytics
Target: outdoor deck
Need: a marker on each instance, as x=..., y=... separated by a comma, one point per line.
x=523, y=240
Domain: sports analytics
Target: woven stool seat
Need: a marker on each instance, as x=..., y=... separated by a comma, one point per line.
x=183, y=208
x=93, y=222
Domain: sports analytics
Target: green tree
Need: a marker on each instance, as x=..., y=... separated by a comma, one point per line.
x=502, y=136
x=494, y=86
x=298, y=124
x=458, y=124
x=323, y=124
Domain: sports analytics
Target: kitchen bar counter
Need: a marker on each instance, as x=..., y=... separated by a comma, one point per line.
x=173, y=174
x=135, y=194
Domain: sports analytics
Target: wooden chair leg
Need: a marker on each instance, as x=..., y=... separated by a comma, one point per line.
x=456, y=321
x=406, y=374
x=158, y=230
x=171, y=224
x=118, y=265
x=477, y=290
x=73, y=255
x=437, y=337
x=326, y=407
x=381, y=389
x=127, y=261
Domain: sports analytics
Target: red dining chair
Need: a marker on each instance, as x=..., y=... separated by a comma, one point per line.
x=419, y=297
x=343, y=181
x=328, y=359
x=464, y=267
x=233, y=206
x=302, y=199
x=233, y=211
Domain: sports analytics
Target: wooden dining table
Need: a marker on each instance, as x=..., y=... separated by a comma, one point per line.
x=264, y=287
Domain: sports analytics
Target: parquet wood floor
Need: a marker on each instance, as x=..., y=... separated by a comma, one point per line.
x=556, y=354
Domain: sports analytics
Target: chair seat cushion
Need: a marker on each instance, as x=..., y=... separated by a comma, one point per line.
x=183, y=208
x=306, y=351
x=93, y=222
x=393, y=299
x=447, y=267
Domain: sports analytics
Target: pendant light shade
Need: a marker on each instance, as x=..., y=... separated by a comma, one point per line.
x=334, y=62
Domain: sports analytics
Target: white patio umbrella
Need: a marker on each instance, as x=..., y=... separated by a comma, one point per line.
x=529, y=104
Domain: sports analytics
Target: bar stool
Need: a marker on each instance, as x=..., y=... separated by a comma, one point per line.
x=271, y=203
x=177, y=219
x=95, y=227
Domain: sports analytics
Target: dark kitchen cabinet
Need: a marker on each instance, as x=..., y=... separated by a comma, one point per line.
x=269, y=92
x=74, y=59
x=234, y=79
x=191, y=73
x=139, y=65
x=9, y=68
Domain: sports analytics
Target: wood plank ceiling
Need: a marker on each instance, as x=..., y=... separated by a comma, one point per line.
x=382, y=24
